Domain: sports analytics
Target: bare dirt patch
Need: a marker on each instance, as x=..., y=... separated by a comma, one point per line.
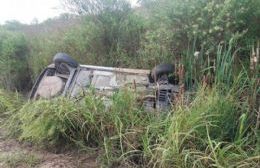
x=15, y=154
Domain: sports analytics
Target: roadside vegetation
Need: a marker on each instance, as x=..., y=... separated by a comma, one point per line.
x=217, y=43
x=17, y=159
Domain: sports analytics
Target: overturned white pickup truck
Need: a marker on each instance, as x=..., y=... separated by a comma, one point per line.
x=65, y=77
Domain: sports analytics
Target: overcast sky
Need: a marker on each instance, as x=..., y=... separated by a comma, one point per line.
x=26, y=10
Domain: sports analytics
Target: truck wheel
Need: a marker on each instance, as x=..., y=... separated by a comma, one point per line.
x=65, y=58
x=62, y=58
x=162, y=69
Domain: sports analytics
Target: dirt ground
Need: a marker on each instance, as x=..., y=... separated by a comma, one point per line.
x=16, y=155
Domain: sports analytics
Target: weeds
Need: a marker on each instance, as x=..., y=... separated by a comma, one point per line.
x=17, y=159
x=218, y=128
x=9, y=101
x=212, y=134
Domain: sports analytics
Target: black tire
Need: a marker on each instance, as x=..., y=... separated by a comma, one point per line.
x=162, y=69
x=60, y=58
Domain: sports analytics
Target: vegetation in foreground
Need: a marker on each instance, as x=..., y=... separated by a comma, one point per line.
x=219, y=127
x=14, y=160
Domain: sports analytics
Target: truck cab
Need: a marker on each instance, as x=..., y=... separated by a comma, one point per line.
x=65, y=77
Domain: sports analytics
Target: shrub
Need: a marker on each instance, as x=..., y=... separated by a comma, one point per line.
x=49, y=121
x=15, y=74
x=206, y=22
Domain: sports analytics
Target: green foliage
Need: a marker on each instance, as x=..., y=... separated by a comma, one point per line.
x=220, y=68
x=9, y=105
x=13, y=61
x=112, y=33
x=45, y=121
x=216, y=129
x=5, y=103
x=9, y=102
x=203, y=134
x=96, y=7
x=18, y=159
x=207, y=22
x=42, y=50
x=111, y=39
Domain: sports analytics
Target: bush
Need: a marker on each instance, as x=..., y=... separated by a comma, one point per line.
x=52, y=120
x=14, y=71
x=207, y=23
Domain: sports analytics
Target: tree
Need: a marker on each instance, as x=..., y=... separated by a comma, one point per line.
x=118, y=31
x=95, y=6
x=13, y=25
x=205, y=23
x=14, y=72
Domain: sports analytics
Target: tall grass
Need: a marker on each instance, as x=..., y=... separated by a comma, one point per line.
x=218, y=127
x=210, y=132
x=9, y=102
x=203, y=135
x=217, y=68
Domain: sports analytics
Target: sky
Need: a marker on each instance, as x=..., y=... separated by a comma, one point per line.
x=25, y=11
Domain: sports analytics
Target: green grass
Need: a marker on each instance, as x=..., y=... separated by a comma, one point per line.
x=203, y=135
x=9, y=104
x=16, y=159
x=210, y=132
x=217, y=128
x=9, y=101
